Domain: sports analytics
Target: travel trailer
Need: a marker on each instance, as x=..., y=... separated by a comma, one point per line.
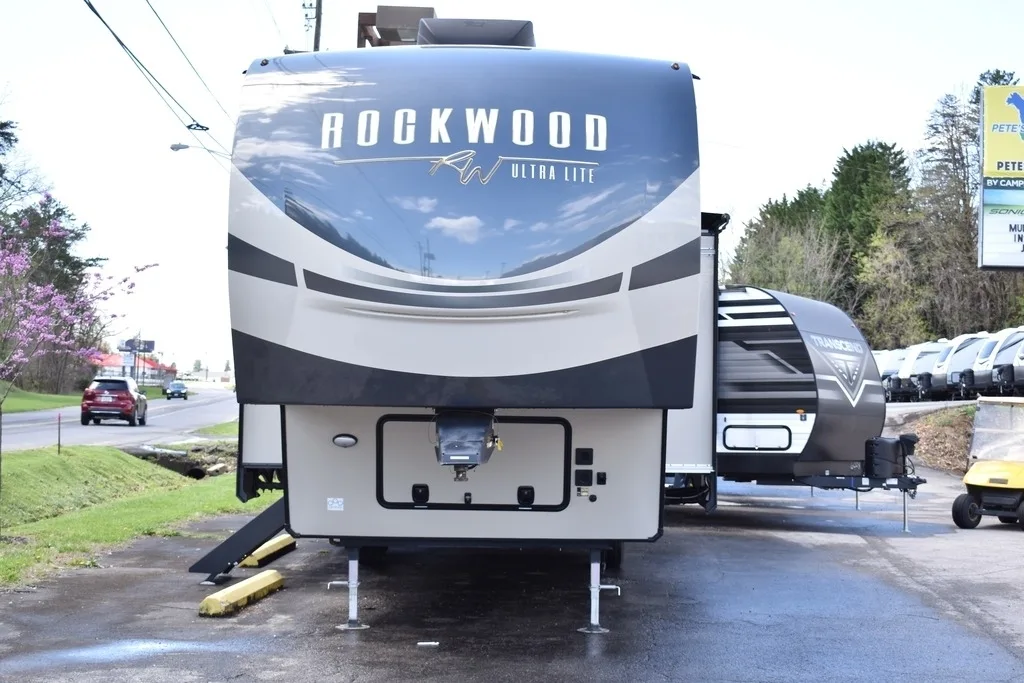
x=944, y=379
x=798, y=401
x=905, y=385
x=979, y=380
x=468, y=302
x=889, y=365
x=1016, y=372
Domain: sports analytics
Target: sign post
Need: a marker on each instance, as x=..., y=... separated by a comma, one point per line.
x=131, y=348
x=1001, y=211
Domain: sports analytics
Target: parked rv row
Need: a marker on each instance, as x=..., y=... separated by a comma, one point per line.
x=979, y=363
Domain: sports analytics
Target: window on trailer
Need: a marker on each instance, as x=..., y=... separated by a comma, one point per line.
x=1009, y=349
x=966, y=355
x=925, y=361
x=986, y=350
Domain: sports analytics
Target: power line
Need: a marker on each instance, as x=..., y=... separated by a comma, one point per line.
x=155, y=83
x=194, y=70
x=195, y=125
x=276, y=27
x=215, y=155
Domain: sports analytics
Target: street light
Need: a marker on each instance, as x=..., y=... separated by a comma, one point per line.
x=179, y=146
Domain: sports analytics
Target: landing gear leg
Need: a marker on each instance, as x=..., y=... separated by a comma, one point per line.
x=595, y=595
x=352, y=583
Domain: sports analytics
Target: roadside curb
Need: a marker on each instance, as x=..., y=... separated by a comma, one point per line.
x=898, y=419
x=269, y=551
x=233, y=598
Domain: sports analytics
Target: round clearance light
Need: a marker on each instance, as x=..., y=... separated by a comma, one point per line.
x=345, y=440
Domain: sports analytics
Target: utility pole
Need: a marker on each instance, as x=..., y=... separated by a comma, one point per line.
x=428, y=256
x=317, y=8
x=316, y=28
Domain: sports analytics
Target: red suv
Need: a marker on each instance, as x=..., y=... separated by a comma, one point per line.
x=114, y=398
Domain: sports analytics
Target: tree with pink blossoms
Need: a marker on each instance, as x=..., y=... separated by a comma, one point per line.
x=37, y=318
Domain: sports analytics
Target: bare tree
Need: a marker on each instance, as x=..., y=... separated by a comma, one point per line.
x=966, y=298
x=800, y=258
x=20, y=183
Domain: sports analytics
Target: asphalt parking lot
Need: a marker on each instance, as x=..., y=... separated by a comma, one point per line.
x=777, y=585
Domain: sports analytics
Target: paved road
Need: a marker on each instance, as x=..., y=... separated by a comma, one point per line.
x=920, y=407
x=168, y=421
x=776, y=585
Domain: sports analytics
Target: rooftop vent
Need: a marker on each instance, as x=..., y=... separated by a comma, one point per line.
x=505, y=32
x=398, y=25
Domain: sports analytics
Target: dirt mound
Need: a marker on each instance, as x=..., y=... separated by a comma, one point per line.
x=196, y=460
x=212, y=453
x=945, y=438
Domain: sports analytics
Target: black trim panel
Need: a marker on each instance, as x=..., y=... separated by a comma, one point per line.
x=739, y=464
x=768, y=406
x=713, y=224
x=762, y=315
x=241, y=492
x=250, y=260
x=738, y=303
x=348, y=290
x=284, y=473
x=475, y=543
x=659, y=377
x=567, y=458
x=661, y=476
x=677, y=264
x=762, y=336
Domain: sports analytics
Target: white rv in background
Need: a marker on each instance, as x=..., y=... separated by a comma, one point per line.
x=978, y=379
x=943, y=380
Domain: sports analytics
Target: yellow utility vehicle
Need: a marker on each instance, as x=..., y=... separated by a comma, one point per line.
x=995, y=474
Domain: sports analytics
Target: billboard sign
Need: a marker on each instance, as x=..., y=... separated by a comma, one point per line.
x=1001, y=214
x=137, y=345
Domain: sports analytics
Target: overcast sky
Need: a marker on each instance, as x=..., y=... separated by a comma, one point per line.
x=786, y=85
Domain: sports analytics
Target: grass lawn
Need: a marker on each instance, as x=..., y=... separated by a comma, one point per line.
x=60, y=511
x=222, y=429
x=19, y=401
x=152, y=392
